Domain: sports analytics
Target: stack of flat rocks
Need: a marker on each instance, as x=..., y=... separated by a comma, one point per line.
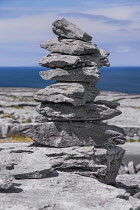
x=69, y=114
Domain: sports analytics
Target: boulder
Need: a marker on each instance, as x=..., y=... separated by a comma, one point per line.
x=67, y=134
x=57, y=60
x=65, y=28
x=63, y=92
x=69, y=46
x=66, y=112
x=83, y=74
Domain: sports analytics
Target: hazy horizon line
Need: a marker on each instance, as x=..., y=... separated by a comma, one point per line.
x=49, y=68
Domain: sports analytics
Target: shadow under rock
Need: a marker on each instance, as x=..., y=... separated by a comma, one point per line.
x=12, y=189
x=132, y=190
x=52, y=174
x=35, y=144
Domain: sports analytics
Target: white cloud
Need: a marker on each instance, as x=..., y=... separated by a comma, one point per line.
x=27, y=28
x=123, y=49
x=38, y=27
x=26, y=32
x=119, y=12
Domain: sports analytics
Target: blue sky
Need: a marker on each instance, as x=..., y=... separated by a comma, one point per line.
x=113, y=24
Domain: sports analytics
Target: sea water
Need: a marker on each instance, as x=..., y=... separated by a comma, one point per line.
x=118, y=79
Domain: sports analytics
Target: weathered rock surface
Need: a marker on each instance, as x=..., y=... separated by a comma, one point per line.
x=34, y=166
x=24, y=162
x=69, y=46
x=65, y=192
x=74, y=93
x=57, y=60
x=64, y=28
x=65, y=134
x=29, y=162
x=65, y=112
x=83, y=74
x=6, y=179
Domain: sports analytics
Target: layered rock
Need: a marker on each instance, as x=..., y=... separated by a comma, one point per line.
x=81, y=74
x=73, y=93
x=55, y=60
x=67, y=112
x=65, y=134
x=29, y=162
x=69, y=116
x=69, y=46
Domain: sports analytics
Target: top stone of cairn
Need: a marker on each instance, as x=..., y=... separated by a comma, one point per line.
x=64, y=28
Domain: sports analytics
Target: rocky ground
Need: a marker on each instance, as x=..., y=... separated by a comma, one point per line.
x=17, y=106
x=30, y=182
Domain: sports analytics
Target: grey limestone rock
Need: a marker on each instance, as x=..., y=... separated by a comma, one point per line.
x=65, y=28
x=30, y=162
x=83, y=74
x=57, y=60
x=25, y=163
x=6, y=179
x=33, y=165
x=69, y=46
x=131, y=167
x=74, y=93
x=65, y=112
x=66, y=192
x=66, y=134
x=88, y=161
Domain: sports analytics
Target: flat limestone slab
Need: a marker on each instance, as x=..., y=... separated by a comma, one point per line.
x=83, y=74
x=63, y=92
x=69, y=46
x=66, y=134
x=57, y=60
x=65, y=192
x=65, y=112
x=65, y=28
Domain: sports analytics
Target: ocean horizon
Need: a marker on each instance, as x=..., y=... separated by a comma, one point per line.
x=116, y=79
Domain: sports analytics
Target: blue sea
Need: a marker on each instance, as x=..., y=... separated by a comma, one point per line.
x=120, y=79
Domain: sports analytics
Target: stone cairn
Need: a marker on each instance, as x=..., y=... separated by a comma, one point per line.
x=70, y=118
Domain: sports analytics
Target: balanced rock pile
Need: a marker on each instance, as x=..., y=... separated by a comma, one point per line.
x=70, y=118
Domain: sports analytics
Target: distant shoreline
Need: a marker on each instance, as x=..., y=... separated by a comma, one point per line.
x=28, y=89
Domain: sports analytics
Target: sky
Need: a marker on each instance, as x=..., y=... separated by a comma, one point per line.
x=113, y=24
